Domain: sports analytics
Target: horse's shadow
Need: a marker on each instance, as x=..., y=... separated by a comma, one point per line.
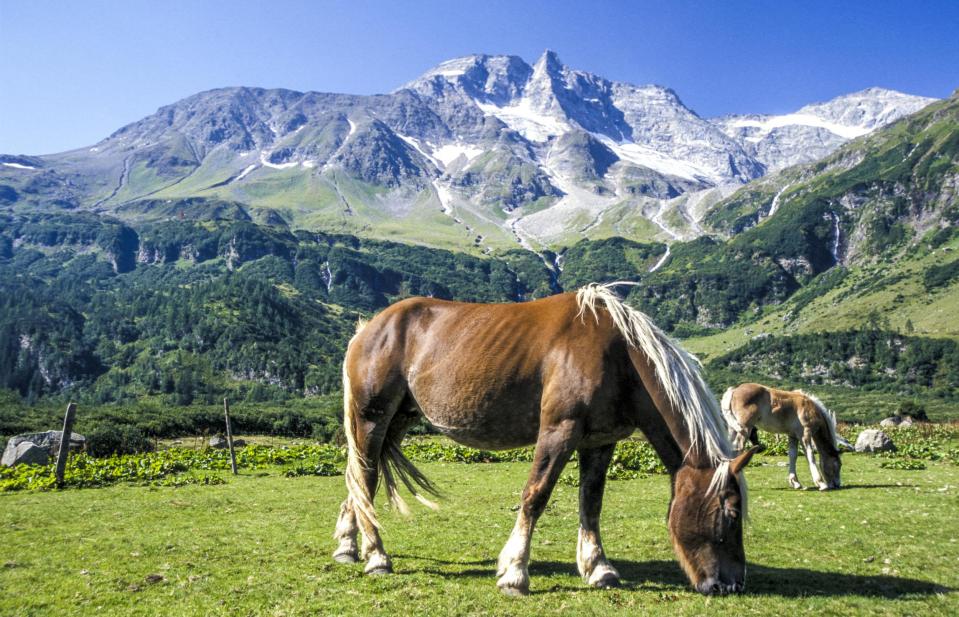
x=761, y=580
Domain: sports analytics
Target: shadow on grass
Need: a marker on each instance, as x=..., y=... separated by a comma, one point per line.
x=761, y=580
x=850, y=487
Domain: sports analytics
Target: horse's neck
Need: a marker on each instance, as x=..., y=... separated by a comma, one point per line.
x=667, y=434
x=664, y=427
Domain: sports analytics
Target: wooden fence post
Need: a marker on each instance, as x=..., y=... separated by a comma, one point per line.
x=229, y=435
x=65, y=442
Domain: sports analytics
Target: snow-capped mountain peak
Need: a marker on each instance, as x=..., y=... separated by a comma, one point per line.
x=815, y=130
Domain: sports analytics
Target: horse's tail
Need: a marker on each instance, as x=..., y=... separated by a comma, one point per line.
x=393, y=464
x=726, y=405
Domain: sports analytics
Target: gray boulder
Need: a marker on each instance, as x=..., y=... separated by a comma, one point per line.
x=218, y=441
x=907, y=421
x=891, y=421
x=48, y=442
x=874, y=440
x=24, y=453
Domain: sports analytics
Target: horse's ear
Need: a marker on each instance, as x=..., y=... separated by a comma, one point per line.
x=742, y=460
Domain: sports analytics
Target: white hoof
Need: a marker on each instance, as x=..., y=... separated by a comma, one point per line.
x=604, y=576
x=514, y=582
x=794, y=482
x=379, y=563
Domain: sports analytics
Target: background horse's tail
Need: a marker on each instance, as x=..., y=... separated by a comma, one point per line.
x=393, y=464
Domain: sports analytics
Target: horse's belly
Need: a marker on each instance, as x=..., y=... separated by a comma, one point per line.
x=493, y=425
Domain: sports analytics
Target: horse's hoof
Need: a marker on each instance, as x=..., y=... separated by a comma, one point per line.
x=823, y=487
x=609, y=581
x=346, y=558
x=380, y=570
x=515, y=592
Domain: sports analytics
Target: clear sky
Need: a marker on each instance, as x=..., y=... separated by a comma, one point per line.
x=73, y=72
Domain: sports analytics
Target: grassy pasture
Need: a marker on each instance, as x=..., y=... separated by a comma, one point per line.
x=888, y=544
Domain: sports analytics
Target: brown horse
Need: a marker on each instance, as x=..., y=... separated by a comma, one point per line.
x=799, y=415
x=570, y=373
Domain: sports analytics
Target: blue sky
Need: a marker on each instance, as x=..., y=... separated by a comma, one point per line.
x=73, y=72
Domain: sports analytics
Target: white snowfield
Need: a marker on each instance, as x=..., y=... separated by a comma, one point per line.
x=769, y=123
x=450, y=152
x=18, y=166
x=657, y=161
x=527, y=121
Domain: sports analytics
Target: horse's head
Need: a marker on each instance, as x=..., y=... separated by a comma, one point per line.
x=706, y=527
x=831, y=466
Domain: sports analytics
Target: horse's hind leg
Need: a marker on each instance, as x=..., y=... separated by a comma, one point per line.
x=554, y=446
x=368, y=414
x=793, y=454
x=590, y=557
x=807, y=444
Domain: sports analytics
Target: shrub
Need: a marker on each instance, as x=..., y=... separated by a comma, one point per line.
x=111, y=439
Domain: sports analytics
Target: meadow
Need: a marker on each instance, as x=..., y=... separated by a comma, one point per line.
x=260, y=543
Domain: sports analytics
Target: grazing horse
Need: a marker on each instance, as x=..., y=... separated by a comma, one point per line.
x=569, y=373
x=798, y=414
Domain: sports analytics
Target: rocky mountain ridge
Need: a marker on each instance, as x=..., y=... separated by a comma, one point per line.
x=484, y=152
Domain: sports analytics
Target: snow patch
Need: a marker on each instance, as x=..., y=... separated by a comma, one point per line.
x=767, y=125
x=19, y=166
x=531, y=124
x=657, y=161
x=352, y=128
x=244, y=173
x=450, y=152
x=416, y=145
x=445, y=197
x=309, y=164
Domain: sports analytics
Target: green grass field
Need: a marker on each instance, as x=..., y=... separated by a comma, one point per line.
x=887, y=544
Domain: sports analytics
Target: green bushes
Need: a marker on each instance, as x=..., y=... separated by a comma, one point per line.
x=111, y=439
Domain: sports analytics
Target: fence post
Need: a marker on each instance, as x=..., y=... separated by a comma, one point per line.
x=65, y=442
x=229, y=435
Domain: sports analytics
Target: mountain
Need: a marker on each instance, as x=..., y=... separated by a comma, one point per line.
x=816, y=130
x=871, y=228
x=481, y=153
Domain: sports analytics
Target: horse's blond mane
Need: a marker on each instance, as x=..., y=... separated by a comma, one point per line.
x=678, y=373
x=827, y=415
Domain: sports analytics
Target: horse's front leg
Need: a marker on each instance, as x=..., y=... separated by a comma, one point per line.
x=793, y=455
x=590, y=557
x=807, y=444
x=554, y=446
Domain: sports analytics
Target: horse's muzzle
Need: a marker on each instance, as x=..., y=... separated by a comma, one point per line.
x=715, y=587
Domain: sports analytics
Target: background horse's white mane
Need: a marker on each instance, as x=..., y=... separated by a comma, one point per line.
x=678, y=372
x=827, y=415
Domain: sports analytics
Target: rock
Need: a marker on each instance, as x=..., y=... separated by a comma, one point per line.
x=24, y=453
x=48, y=442
x=907, y=421
x=219, y=441
x=874, y=440
x=891, y=421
